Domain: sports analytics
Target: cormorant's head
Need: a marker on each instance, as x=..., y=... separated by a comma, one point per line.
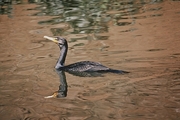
x=59, y=40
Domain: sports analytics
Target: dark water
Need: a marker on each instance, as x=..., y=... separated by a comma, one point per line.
x=141, y=37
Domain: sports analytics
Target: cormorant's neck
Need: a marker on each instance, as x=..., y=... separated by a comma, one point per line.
x=62, y=57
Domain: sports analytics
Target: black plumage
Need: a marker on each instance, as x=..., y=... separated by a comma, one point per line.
x=83, y=66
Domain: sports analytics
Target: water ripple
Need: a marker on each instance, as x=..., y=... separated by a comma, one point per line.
x=85, y=18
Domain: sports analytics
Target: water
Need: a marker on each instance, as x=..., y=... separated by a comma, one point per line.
x=141, y=37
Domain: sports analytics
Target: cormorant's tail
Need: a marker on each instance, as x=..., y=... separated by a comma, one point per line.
x=117, y=71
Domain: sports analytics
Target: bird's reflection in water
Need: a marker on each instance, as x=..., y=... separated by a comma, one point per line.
x=63, y=87
x=62, y=92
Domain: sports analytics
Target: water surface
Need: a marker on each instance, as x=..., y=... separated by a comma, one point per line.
x=141, y=37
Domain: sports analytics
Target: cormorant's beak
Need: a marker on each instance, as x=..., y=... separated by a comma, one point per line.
x=54, y=95
x=52, y=39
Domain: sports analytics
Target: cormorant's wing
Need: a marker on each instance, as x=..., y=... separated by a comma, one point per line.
x=86, y=66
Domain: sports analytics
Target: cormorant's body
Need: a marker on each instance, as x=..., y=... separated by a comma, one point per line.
x=83, y=66
x=88, y=66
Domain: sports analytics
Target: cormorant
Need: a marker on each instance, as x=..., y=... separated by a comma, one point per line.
x=83, y=66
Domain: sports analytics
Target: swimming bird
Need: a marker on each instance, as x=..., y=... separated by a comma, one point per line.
x=83, y=66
